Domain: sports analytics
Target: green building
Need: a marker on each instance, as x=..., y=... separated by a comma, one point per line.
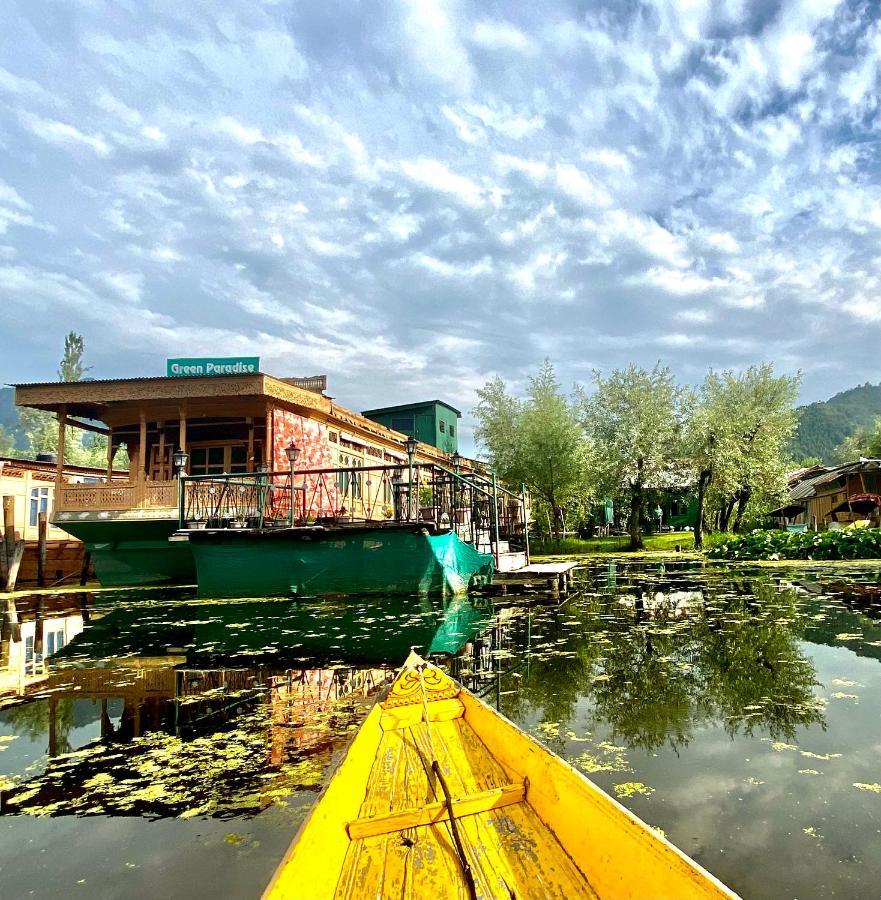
x=432, y=422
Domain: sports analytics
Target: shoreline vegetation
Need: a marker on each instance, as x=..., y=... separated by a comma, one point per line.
x=766, y=548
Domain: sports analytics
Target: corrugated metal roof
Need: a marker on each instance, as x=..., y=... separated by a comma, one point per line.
x=806, y=488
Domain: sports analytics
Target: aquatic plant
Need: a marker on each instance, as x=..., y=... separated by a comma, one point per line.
x=863, y=543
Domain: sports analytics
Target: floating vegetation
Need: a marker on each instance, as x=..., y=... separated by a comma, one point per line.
x=629, y=788
x=808, y=772
x=873, y=788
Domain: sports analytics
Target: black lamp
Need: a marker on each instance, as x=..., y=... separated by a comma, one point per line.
x=410, y=446
x=179, y=460
x=292, y=452
x=457, y=461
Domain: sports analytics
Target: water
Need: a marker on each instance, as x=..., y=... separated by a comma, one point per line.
x=152, y=742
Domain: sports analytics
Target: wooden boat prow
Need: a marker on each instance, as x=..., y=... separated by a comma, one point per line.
x=529, y=824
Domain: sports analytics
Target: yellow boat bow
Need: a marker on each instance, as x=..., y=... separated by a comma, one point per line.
x=440, y=796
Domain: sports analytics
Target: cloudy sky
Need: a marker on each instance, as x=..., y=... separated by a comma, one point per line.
x=413, y=195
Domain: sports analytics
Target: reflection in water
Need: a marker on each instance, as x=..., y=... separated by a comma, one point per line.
x=732, y=707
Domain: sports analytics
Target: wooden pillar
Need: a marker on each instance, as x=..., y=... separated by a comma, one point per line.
x=163, y=472
x=268, y=444
x=182, y=428
x=142, y=449
x=42, y=529
x=250, y=421
x=110, y=455
x=59, y=468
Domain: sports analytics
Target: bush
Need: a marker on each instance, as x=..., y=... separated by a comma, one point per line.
x=863, y=543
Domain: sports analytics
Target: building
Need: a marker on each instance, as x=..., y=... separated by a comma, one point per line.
x=432, y=422
x=224, y=423
x=824, y=496
x=32, y=485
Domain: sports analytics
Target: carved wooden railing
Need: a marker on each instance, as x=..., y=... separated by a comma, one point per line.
x=115, y=496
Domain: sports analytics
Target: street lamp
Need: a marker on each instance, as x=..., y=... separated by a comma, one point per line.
x=457, y=461
x=292, y=451
x=179, y=460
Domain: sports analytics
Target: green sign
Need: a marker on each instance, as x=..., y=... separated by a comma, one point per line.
x=213, y=365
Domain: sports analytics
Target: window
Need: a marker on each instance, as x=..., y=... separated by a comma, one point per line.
x=217, y=459
x=443, y=427
x=54, y=641
x=452, y=431
x=39, y=503
x=404, y=424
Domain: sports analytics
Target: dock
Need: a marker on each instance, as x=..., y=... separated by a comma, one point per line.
x=554, y=579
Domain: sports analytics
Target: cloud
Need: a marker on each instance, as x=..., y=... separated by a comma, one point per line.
x=332, y=185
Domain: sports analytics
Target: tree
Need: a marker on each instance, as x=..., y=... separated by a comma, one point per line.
x=635, y=420
x=7, y=443
x=864, y=442
x=41, y=427
x=72, y=368
x=764, y=406
x=537, y=440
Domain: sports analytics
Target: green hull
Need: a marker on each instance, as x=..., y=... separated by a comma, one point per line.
x=134, y=552
x=300, y=562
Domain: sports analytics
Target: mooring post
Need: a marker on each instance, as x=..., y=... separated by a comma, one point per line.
x=13, y=550
x=42, y=529
x=525, y=519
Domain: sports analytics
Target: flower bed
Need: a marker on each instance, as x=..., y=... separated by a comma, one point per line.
x=864, y=543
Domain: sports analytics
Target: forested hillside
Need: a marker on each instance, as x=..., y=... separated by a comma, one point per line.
x=824, y=425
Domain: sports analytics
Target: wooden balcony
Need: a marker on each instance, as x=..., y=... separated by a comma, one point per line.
x=116, y=496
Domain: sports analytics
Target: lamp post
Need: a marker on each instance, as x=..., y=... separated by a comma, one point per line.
x=292, y=452
x=410, y=447
x=179, y=462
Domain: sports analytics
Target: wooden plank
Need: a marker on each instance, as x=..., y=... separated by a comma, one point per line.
x=406, y=716
x=436, y=812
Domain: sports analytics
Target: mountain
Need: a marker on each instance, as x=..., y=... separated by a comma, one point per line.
x=9, y=417
x=823, y=426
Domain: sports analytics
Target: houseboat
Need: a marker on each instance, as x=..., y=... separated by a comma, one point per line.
x=51, y=556
x=252, y=485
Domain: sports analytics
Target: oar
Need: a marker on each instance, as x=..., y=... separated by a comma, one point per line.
x=448, y=800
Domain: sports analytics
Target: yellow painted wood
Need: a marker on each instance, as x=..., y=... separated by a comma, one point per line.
x=620, y=855
x=432, y=813
x=312, y=864
x=405, y=716
x=566, y=839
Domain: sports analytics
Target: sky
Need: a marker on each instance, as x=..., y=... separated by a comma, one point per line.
x=413, y=196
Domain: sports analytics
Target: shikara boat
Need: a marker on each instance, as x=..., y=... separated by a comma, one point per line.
x=440, y=796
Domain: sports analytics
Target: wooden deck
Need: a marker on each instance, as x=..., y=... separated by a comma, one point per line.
x=512, y=853
x=552, y=579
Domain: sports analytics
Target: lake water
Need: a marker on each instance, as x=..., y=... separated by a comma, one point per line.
x=152, y=743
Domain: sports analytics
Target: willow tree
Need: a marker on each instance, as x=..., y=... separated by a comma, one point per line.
x=536, y=440
x=764, y=422
x=634, y=417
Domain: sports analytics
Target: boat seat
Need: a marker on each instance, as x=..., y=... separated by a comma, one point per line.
x=432, y=813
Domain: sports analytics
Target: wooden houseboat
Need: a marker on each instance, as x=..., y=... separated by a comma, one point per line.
x=274, y=487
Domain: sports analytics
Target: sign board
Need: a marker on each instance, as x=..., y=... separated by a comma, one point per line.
x=212, y=365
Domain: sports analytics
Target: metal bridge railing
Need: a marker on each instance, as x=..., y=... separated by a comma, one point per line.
x=478, y=509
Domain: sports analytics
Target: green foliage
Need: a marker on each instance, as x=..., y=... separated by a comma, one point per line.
x=635, y=419
x=536, y=440
x=858, y=543
x=864, y=442
x=71, y=367
x=7, y=443
x=824, y=426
